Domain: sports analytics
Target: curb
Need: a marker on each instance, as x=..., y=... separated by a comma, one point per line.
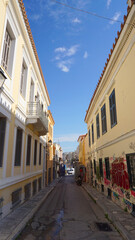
x=13, y=233
x=116, y=224
x=23, y=223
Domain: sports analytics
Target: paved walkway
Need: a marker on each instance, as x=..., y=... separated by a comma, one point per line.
x=123, y=221
x=14, y=223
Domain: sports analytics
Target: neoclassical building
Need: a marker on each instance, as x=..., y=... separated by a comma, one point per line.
x=24, y=102
x=110, y=120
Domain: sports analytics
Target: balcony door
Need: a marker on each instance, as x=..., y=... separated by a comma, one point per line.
x=31, y=91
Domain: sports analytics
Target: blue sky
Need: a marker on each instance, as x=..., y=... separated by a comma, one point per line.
x=72, y=47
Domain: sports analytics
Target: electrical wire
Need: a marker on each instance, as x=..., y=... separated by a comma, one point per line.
x=91, y=13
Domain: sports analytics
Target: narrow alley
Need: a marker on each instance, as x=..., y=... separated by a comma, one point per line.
x=69, y=213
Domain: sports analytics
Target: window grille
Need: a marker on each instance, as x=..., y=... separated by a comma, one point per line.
x=92, y=128
x=28, y=150
x=113, y=115
x=18, y=150
x=34, y=187
x=100, y=167
x=16, y=197
x=40, y=152
x=131, y=169
x=6, y=50
x=2, y=138
x=35, y=152
x=107, y=166
x=27, y=191
x=98, y=127
x=103, y=117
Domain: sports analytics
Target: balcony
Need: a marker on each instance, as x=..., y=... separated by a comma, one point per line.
x=37, y=118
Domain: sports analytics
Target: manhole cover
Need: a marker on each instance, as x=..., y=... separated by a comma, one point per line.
x=103, y=227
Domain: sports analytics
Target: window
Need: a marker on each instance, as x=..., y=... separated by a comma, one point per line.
x=113, y=115
x=98, y=127
x=107, y=167
x=23, y=79
x=8, y=50
x=92, y=129
x=40, y=151
x=89, y=138
x=35, y=153
x=100, y=167
x=27, y=191
x=39, y=184
x=95, y=170
x=18, y=150
x=103, y=117
x=31, y=99
x=34, y=187
x=16, y=197
x=2, y=138
x=28, y=150
x=131, y=169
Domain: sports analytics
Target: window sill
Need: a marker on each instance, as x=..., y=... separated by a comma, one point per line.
x=113, y=125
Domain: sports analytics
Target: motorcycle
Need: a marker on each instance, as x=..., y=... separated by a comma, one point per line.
x=79, y=181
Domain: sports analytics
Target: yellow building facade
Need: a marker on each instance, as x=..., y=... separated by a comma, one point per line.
x=24, y=102
x=110, y=120
x=49, y=158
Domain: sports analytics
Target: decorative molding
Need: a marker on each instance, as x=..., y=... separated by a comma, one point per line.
x=17, y=179
x=6, y=2
x=121, y=138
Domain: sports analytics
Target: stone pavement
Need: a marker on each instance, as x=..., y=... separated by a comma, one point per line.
x=14, y=223
x=122, y=221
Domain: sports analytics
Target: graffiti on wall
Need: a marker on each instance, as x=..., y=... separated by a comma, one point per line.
x=133, y=193
x=128, y=204
x=120, y=191
x=116, y=196
x=119, y=174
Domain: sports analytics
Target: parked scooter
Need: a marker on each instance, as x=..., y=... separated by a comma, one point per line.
x=79, y=181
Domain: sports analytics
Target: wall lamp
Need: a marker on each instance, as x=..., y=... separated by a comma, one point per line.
x=2, y=78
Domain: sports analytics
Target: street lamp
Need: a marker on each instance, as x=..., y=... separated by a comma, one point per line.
x=2, y=78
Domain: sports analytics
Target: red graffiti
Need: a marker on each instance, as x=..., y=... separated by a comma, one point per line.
x=133, y=193
x=106, y=181
x=119, y=175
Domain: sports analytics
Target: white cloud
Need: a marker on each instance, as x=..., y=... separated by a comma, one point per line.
x=72, y=50
x=63, y=58
x=108, y=3
x=60, y=49
x=85, y=55
x=36, y=17
x=62, y=65
x=115, y=18
x=67, y=138
x=76, y=20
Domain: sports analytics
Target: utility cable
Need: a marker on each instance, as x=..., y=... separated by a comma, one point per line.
x=91, y=13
